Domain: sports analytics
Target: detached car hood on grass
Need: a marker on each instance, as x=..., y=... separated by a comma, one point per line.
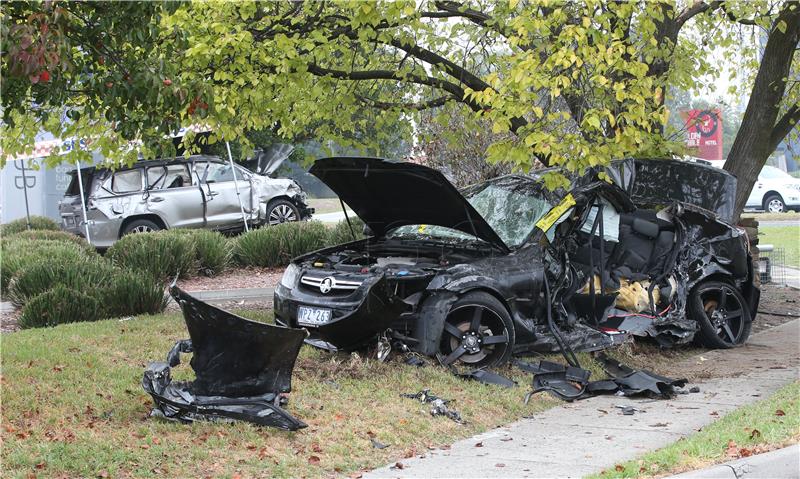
x=387, y=195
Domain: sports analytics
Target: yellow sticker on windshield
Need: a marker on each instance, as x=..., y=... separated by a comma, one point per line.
x=421, y=228
x=554, y=214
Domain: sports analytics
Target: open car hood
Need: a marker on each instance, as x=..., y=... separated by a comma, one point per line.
x=267, y=161
x=387, y=195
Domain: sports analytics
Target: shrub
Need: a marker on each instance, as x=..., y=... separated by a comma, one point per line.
x=19, y=252
x=213, y=251
x=81, y=274
x=341, y=232
x=21, y=224
x=50, y=235
x=162, y=255
x=276, y=245
x=301, y=237
x=131, y=293
x=58, y=306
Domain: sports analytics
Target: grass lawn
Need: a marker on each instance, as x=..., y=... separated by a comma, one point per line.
x=73, y=406
x=786, y=237
x=768, y=424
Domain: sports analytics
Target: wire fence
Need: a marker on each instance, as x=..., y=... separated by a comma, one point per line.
x=771, y=265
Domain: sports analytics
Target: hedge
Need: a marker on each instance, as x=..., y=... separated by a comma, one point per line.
x=21, y=224
x=20, y=252
x=162, y=254
x=58, y=306
x=275, y=246
x=213, y=251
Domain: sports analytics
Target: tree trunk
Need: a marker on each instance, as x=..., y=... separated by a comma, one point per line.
x=753, y=144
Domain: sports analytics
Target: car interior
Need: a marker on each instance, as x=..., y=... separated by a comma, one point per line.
x=624, y=252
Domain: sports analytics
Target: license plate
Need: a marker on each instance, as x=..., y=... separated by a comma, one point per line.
x=313, y=316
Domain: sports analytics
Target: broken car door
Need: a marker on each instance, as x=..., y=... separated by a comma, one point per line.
x=222, y=209
x=172, y=195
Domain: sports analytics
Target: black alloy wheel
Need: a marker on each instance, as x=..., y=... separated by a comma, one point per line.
x=478, y=332
x=722, y=313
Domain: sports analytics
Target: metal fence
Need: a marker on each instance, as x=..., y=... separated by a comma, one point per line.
x=771, y=264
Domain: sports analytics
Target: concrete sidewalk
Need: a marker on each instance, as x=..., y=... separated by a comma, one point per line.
x=244, y=295
x=588, y=436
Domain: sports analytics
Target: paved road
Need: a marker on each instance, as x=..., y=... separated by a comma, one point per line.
x=588, y=436
x=786, y=223
x=334, y=217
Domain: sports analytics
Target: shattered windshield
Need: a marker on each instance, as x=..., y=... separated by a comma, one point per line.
x=510, y=207
x=512, y=213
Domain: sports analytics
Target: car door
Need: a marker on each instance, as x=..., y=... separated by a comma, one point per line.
x=222, y=208
x=756, y=198
x=174, y=196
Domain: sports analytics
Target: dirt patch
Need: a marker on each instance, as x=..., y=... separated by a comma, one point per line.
x=252, y=277
x=779, y=304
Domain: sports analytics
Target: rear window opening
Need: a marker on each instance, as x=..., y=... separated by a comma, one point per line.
x=74, y=187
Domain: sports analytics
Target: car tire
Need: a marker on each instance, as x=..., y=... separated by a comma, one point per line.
x=722, y=314
x=141, y=226
x=281, y=211
x=774, y=204
x=466, y=345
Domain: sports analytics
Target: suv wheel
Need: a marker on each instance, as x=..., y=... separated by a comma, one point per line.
x=478, y=332
x=722, y=314
x=140, y=226
x=774, y=204
x=281, y=211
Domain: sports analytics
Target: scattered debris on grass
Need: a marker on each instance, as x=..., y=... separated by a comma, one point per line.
x=438, y=405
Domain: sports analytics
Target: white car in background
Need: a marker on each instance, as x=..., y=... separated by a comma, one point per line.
x=775, y=191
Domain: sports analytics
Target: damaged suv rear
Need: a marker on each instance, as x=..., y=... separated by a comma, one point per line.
x=508, y=266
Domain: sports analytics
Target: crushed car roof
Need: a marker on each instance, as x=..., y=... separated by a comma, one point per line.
x=387, y=195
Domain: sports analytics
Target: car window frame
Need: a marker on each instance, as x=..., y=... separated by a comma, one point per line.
x=188, y=169
x=109, y=183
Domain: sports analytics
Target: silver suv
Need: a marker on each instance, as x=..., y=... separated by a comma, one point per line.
x=194, y=192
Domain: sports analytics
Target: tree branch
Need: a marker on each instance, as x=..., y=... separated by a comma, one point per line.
x=696, y=9
x=784, y=126
x=384, y=105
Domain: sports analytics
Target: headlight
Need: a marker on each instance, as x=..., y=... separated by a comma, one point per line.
x=290, y=275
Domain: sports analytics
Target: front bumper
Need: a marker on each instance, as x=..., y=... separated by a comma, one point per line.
x=355, y=320
x=305, y=211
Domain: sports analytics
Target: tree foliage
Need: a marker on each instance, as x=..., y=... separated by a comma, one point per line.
x=565, y=83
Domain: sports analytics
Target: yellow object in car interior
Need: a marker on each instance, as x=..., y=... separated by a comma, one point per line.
x=555, y=213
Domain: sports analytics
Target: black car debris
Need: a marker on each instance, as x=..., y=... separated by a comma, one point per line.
x=507, y=267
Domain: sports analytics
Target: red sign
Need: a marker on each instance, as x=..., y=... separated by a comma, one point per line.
x=704, y=132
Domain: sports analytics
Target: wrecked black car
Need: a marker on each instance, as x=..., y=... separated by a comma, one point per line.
x=643, y=247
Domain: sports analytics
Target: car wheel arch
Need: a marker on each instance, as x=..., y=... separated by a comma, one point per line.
x=436, y=306
x=769, y=194
x=150, y=217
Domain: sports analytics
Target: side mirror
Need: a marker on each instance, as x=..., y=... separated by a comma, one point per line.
x=368, y=231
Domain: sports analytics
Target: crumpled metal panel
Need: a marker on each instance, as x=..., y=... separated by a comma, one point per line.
x=666, y=181
x=242, y=368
